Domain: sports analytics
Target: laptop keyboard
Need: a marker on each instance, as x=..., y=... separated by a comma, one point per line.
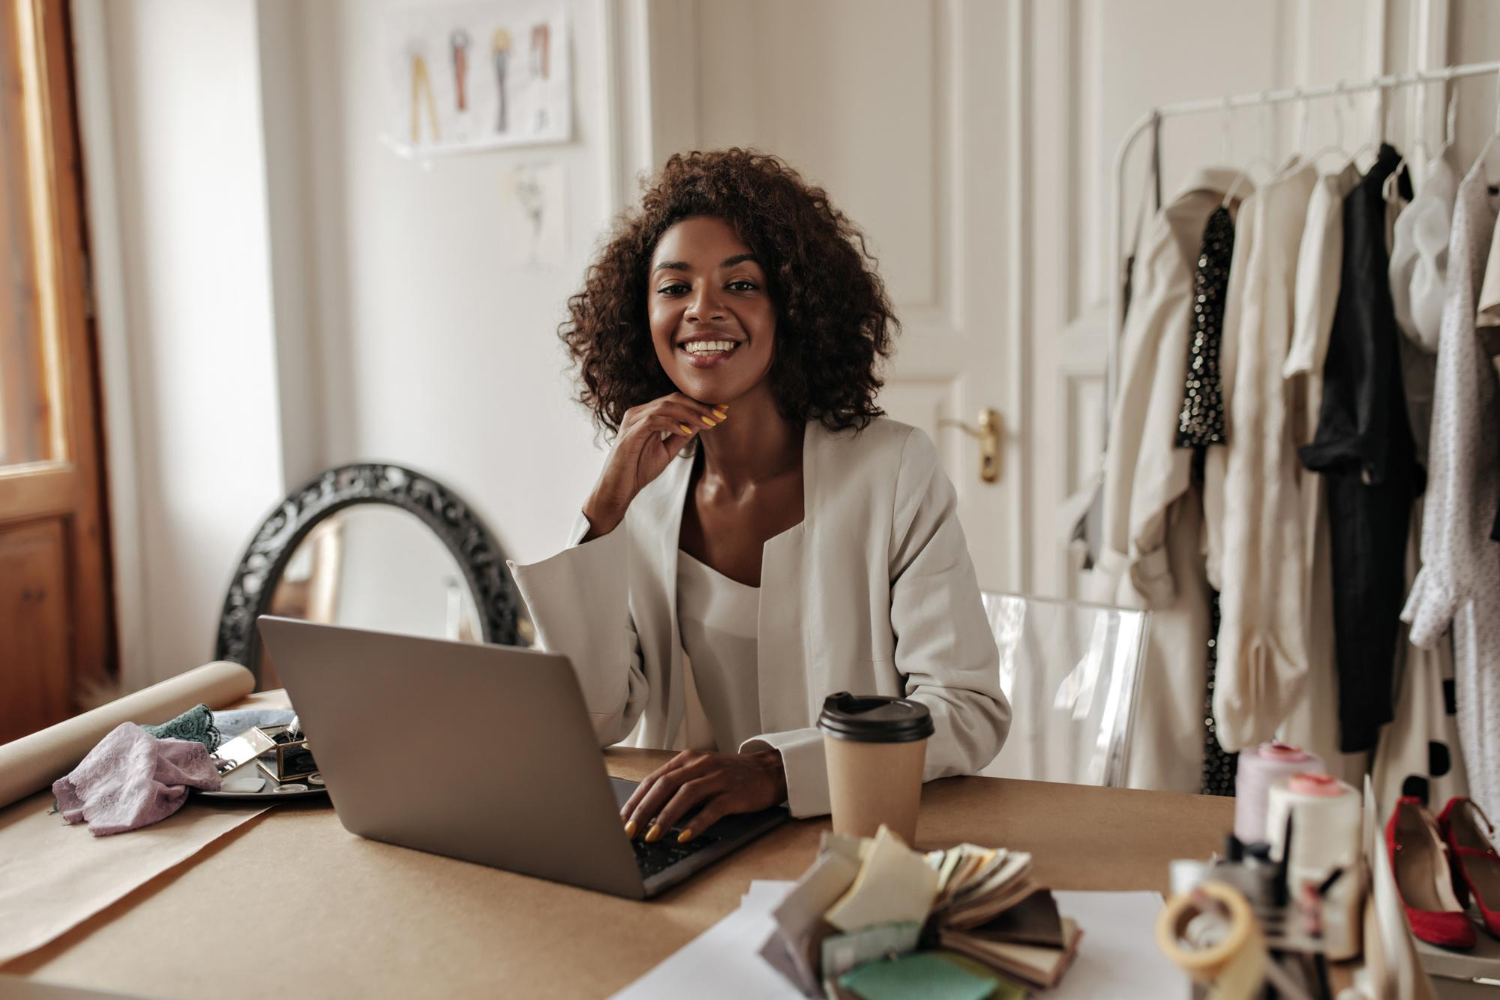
x=652, y=859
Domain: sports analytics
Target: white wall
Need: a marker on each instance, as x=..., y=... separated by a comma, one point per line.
x=278, y=292
x=186, y=248
x=431, y=352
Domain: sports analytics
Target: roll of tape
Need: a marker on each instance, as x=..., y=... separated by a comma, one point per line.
x=1205, y=964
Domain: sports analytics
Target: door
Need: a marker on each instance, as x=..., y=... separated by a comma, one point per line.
x=974, y=140
x=55, y=628
x=903, y=111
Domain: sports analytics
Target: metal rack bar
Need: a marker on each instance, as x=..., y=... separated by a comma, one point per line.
x=1225, y=104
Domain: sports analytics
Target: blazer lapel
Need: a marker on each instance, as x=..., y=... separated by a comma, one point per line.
x=783, y=642
x=664, y=522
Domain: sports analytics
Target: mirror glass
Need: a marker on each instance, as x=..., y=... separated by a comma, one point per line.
x=379, y=567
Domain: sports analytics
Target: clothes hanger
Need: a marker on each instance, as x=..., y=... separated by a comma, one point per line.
x=1338, y=122
x=1409, y=162
x=1304, y=115
x=1490, y=142
x=1412, y=163
x=1375, y=140
x=1452, y=123
x=1424, y=162
x=1261, y=158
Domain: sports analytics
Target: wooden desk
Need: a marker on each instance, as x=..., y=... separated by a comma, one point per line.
x=376, y=920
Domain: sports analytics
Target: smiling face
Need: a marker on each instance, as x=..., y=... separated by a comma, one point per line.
x=712, y=321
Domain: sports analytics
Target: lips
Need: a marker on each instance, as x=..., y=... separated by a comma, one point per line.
x=708, y=352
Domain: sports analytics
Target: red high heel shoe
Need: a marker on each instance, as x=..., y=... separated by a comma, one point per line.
x=1471, y=854
x=1423, y=878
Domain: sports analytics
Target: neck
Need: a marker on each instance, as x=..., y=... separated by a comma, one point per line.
x=753, y=445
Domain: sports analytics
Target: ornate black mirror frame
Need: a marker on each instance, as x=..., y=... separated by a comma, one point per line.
x=473, y=547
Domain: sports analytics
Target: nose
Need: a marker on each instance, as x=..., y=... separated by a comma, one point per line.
x=705, y=304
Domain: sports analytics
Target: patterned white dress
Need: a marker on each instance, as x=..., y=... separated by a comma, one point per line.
x=1459, y=583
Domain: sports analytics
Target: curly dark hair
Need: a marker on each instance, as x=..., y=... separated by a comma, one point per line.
x=834, y=324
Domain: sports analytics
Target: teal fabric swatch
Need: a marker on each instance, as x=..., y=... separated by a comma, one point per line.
x=922, y=975
x=196, y=725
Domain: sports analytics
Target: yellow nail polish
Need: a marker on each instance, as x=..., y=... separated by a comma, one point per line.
x=722, y=406
x=685, y=836
x=685, y=428
x=708, y=422
x=653, y=834
x=630, y=828
x=721, y=411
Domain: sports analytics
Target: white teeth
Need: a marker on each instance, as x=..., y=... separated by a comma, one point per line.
x=709, y=346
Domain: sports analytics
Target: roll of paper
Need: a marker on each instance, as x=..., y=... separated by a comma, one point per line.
x=32, y=763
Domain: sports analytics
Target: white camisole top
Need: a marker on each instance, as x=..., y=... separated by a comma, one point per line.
x=718, y=620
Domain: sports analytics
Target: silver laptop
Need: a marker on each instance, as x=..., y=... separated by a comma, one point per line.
x=484, y=753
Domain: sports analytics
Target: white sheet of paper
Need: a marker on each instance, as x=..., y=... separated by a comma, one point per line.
x=894, y=885
x=1118, y=956
x=727, y=956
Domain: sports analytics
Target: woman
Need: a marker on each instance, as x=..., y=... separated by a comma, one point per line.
x=760, y=536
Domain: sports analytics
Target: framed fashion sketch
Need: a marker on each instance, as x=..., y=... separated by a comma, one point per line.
x=475, y=76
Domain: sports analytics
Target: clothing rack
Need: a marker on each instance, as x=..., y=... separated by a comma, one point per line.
x=1153, y=119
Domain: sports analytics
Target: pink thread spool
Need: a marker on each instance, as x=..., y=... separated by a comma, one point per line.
x=1259, y=769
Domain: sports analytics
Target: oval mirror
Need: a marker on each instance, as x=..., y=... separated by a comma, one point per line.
x=377, y=547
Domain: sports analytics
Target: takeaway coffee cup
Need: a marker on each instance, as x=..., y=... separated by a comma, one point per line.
x=875, y=747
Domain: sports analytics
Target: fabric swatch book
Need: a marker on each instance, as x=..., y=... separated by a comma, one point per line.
x=869, y=913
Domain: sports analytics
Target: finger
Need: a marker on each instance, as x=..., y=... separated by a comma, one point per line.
x=645, y=786
x=713, y=810
x=674, y=443
x=668, y=425
x=682, y=408
x=688, y=795
x=691, y=411
x=689, y=400
x=660, y=793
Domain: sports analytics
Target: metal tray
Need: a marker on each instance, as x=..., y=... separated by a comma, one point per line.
x=267, y=791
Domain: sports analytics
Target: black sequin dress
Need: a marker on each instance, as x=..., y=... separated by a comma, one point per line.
x=1200, y=423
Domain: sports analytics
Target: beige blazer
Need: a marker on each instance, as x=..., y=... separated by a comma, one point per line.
x=874, y=592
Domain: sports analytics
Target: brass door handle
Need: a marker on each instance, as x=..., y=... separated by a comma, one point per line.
x=988, y=433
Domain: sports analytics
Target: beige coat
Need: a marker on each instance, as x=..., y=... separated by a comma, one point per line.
x=1263, y=657
x=874, y=592
x=1152, y=552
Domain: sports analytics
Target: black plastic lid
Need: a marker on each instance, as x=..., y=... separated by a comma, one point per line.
x=871, y=718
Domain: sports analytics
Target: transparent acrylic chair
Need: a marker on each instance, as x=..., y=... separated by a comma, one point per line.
x=1071, y=673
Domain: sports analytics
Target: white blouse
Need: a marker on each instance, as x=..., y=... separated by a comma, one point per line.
x=718, y=618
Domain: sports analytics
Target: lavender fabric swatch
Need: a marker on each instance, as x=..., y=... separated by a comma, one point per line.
x=132, y=779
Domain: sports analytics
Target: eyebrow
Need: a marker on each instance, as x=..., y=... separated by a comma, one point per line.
x=682, y=265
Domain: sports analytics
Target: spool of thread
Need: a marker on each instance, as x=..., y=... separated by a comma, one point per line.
x=1259, y=770
x=1326, y=819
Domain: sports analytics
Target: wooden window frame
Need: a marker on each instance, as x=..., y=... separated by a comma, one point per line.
x=70, y=482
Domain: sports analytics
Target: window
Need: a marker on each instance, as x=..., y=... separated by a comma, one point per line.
x=55, y=608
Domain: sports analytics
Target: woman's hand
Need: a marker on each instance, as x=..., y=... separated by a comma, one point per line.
x=723, y=783
x=641, y=453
